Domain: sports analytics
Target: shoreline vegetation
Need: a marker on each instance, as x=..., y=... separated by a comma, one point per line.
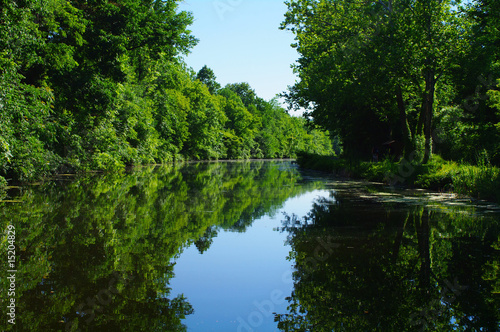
x=89, y=87
x=476, y=181
x=411, y=89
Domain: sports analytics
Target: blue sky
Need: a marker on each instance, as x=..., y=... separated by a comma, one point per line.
x=240, y=41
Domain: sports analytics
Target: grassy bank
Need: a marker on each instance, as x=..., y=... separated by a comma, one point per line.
x=478, y=181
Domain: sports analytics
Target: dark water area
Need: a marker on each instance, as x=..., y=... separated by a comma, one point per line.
x=245, y=246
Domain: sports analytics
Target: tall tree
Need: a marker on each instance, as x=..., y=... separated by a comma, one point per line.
x=207, y=77
x=363, y=63
x=487, y=18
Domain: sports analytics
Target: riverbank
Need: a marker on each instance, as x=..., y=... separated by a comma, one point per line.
x=477, y=181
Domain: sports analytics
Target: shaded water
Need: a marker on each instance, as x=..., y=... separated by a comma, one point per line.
x=248, y=246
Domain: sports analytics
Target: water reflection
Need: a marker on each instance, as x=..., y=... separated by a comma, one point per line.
x=100, y=253
x=97, y=253
x=367, y=263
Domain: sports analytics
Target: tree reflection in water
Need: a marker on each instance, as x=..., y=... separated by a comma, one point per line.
x=97, y=253
x=392, y=267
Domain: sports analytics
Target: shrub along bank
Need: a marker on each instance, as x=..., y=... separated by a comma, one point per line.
x=479, y=181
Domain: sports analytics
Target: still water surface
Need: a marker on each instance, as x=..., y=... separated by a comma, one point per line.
x=248, y=246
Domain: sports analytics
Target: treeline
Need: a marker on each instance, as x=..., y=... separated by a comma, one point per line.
x=401, y=78
x=99, y=85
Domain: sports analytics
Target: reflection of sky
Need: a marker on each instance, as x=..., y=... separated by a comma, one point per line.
x=243, y=277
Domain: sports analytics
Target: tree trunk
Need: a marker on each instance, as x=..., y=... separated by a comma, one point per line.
x=428, y=105
x=420, y=125
x=403, y=123
x=399, y=240
x=430, y=83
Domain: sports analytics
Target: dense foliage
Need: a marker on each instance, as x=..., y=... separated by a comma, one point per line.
x=404, y=77
x=99, y=85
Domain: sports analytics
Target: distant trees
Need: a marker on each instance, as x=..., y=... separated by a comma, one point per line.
x=99, y=85
x=378, y=71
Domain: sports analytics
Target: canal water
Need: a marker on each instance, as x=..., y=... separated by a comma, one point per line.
x=246, y=246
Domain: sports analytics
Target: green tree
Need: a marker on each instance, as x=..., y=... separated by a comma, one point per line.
x=207, y=77
x=124, y=40
x=485, y=109
x=363, y=64
x=240, y=127
x=34, y=40
x=206, y=121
